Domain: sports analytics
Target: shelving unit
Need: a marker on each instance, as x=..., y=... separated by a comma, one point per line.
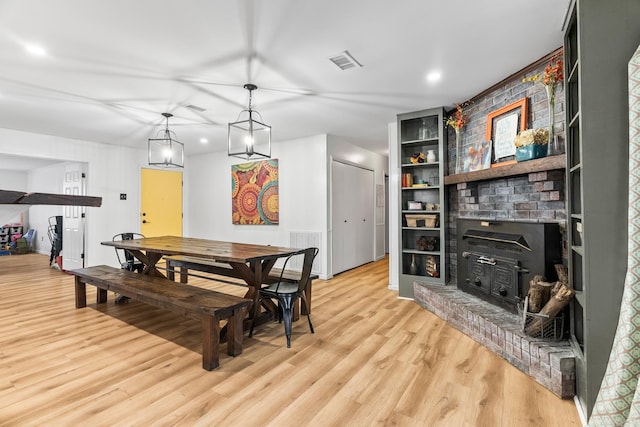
x=574, y=168
x=422, y=199
x=597, y=142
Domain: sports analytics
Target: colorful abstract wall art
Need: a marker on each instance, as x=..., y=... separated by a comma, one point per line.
x=254, y=193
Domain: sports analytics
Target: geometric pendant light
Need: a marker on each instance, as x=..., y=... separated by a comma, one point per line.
x=249, y=139
x=166, y=151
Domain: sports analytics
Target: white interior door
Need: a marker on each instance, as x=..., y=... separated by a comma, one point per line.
x=364, y=222
x=338, y=225
x=352, y=196
x=73, y=218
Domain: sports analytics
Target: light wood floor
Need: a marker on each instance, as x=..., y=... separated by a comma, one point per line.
x=374, y=360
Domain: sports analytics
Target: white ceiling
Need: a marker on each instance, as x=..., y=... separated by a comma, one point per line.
x=112, y=67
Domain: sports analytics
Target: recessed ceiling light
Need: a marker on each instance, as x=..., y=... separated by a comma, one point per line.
x=434, y=76
x=204, y=140
x=35, y=50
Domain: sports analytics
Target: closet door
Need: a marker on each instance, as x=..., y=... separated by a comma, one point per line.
x=363, y=220
x=352, y=216
x=337, y=217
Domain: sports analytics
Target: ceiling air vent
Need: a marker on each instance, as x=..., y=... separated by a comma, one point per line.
x=344, y=60
x=196, y=108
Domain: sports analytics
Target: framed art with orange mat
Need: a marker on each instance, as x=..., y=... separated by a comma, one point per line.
x=503, y=125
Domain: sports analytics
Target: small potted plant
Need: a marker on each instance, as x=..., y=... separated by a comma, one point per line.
x=531, y=144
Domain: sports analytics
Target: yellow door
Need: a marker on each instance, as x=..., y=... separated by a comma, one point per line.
x=160, y=203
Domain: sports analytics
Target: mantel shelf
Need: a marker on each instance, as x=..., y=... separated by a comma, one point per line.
x=522, y=168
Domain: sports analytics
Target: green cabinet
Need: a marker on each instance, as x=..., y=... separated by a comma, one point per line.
x=422, y=156
x=599, y=40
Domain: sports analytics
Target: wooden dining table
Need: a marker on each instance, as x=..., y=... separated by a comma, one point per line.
x=252, y=262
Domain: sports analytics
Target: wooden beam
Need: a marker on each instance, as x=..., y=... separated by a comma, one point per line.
x=513, y=169
x=20, y=198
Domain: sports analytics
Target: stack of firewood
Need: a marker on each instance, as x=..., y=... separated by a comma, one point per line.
x=547, y=300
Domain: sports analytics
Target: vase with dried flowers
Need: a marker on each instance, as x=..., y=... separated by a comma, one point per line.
x=553, y=74
x=457, y=121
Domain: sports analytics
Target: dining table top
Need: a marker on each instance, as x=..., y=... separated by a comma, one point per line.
x=223, y=251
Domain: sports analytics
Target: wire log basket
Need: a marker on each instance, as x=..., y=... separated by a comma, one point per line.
x=551, y=329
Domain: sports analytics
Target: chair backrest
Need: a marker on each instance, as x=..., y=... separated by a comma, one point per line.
x=128, y=258
x=307, y=265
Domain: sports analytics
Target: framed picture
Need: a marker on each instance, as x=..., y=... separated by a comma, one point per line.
x=504, y=124
x=476, y=156
x=254, y=193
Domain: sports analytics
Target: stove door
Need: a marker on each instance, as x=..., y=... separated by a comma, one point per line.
x=479, y=273
x=505, y=280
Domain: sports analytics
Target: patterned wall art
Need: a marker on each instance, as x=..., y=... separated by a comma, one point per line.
x=254, y=193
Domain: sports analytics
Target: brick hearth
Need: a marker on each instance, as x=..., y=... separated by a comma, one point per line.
x=552, y=364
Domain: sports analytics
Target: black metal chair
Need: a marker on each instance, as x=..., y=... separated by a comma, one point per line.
x=126, y=260
x=287, y=293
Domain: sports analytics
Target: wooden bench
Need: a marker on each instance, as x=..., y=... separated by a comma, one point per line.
x=208, y=305
x=186, y=263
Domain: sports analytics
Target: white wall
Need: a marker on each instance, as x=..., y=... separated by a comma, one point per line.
x=304, y=167
x=343, y=151
x=13, y=181
x=111, y=170
x=44, y=180
x=302, y=196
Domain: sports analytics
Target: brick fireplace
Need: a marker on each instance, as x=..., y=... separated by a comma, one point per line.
x=533, y=197
x=534, y=193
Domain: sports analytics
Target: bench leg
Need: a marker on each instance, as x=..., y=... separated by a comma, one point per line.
x=210, y=342
x=171, y=275
x=296, y=311
x=81, y=293
x=101, y=296
x=308, y=295
x=235, y=331
x=184, y=273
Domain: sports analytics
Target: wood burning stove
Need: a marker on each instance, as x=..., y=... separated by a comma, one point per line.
x=497, y=259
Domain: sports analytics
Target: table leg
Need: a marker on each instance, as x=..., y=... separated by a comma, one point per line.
x=149, y=259
x=101, y=296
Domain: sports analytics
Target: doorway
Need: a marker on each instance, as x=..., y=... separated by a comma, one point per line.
x=160, y=202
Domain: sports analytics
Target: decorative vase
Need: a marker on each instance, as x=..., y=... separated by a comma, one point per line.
x=553, y=146
x=431, y=156
x=458, y=167
x=413, y=268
